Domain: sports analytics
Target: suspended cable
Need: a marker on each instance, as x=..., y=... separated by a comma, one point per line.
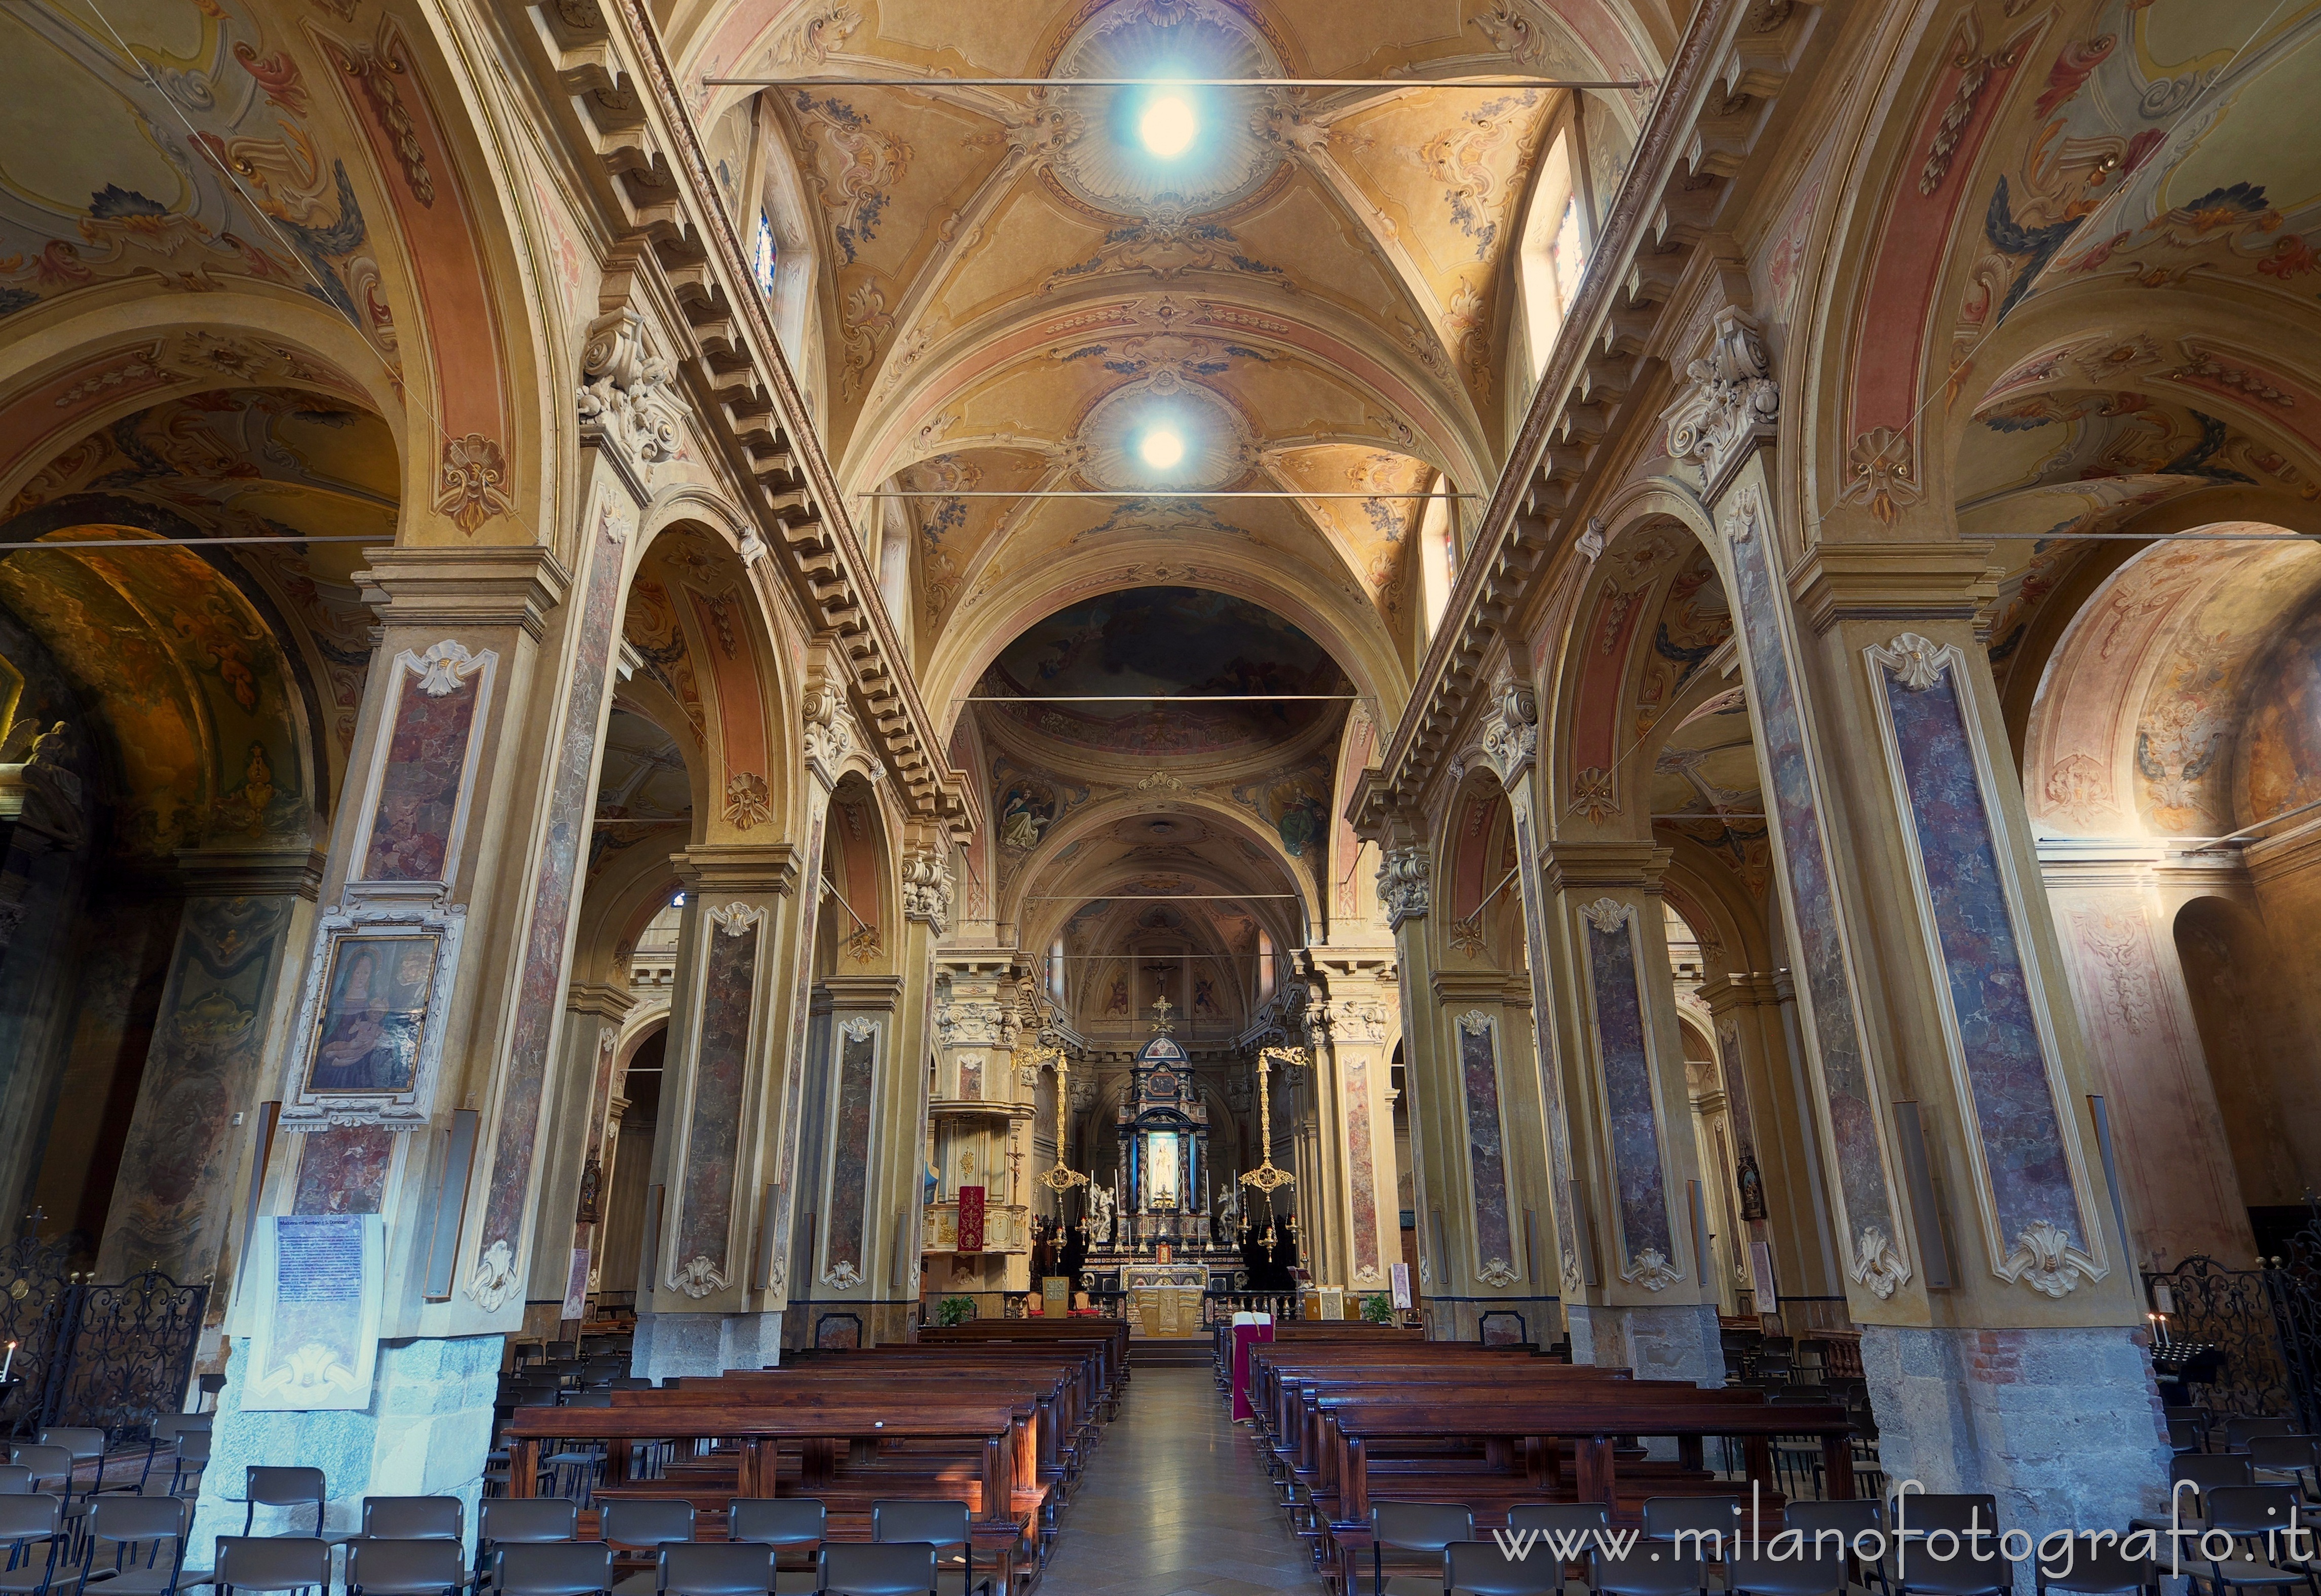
x=1604, y=84
x=917, y=493
x=188, y=542
x=1164, y=698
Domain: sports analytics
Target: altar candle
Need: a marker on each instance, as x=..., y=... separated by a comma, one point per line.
x=10, y=1362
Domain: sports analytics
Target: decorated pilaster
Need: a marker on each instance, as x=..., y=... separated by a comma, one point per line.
x=708, y=1303
x=1350, y=1030
x=1654, y=1311
x=571, y=1188
x=414, y=1070
x=1982, y=1257
x=1767, y=1098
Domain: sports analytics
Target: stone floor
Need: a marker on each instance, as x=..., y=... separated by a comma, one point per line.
x=1176, y=1503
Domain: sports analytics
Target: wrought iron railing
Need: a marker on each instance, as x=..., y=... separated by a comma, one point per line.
x=109, y=1357
x=2265, y=1321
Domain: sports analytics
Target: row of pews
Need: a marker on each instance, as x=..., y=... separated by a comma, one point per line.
x=999, y=1415
x=1352, y=1415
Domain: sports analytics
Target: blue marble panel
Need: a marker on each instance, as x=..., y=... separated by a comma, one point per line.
x=1630, y=1123
x=1983, y=961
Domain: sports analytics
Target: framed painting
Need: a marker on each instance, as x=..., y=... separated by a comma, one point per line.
x=370, y=1023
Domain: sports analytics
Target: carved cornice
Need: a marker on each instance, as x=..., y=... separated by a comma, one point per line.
x=442, y=588
x=1573, y=866
x=608, y=89
x=1837, y=582
x=756, y=867
x=1713, y=108
x=249, y=872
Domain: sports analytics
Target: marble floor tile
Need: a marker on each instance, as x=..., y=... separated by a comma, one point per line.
x=1176, y=1502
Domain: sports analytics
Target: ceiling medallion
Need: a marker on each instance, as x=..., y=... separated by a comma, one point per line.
x=1192, y=147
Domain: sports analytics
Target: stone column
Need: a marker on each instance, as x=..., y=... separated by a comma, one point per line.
x=1511, y=745
x=830, y=740
x=461, y=840
x=572, y=1183
x=177, y=1201
x=854, y=1139
x=1631, y=1141
x=2000, y=1314
x=1775, y=1149
x=1348, y=1031
x=707, y=1305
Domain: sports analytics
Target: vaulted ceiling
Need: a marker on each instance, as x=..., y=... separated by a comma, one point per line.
x=1143, y=388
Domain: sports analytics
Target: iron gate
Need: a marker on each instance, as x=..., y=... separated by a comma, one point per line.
x=2266, y=1321
x=110, y=1357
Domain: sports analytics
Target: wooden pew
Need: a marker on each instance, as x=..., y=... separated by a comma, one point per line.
x=982, y=1452
x=1523, y=1437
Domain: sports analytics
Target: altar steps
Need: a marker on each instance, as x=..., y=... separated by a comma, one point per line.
x=1184, y=1352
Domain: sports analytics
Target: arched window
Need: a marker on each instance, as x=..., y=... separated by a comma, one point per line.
x=1264, y=965
x=1554, y=247
x=1056, y=970
x=762, y=253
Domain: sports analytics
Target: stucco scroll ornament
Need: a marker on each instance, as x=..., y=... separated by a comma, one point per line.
x=444, y=666
x=1498, y=1273
x=1511, y=733
x=829, y=732
x=860, y=1028
x=735, y=918
x=1607, y=913
x=1915, y=662
x=698, y=1277
x=1475, y=1022
x=1653, y=1271
x=842, y=1275
x=1731, y=400
x=494, y=1282
x=2041, y=1260
x=626, y=401
x=1876, y=1264
x=926, y=888
x=1405, y=884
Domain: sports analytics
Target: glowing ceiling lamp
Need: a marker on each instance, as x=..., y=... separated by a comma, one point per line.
x=1161, y=447
x=1167, y=126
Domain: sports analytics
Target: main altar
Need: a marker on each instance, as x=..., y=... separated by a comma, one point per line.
x=1153, y=1229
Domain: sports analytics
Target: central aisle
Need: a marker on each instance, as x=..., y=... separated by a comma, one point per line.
x=1176, y=1501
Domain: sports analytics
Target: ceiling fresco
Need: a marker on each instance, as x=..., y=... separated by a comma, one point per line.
x=1164, y=643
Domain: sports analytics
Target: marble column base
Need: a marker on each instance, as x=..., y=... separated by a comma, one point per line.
x=674, y=1343
x=425, y=1433
x=1678, y=1342
x=2063, y=1425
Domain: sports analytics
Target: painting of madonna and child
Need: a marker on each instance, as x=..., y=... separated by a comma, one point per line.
x=374, y=1011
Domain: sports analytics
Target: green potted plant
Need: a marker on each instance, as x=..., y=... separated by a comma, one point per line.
x=1377, y=1309
x=955, y=1310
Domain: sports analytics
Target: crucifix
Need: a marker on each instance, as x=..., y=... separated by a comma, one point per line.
x=1160, y=1007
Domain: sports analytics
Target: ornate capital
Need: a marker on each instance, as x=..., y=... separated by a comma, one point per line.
x=926, y=888
x=1404, y=882
x=625, y=400
x=830, y=733
x=1511, y=733
x=1730, y=401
